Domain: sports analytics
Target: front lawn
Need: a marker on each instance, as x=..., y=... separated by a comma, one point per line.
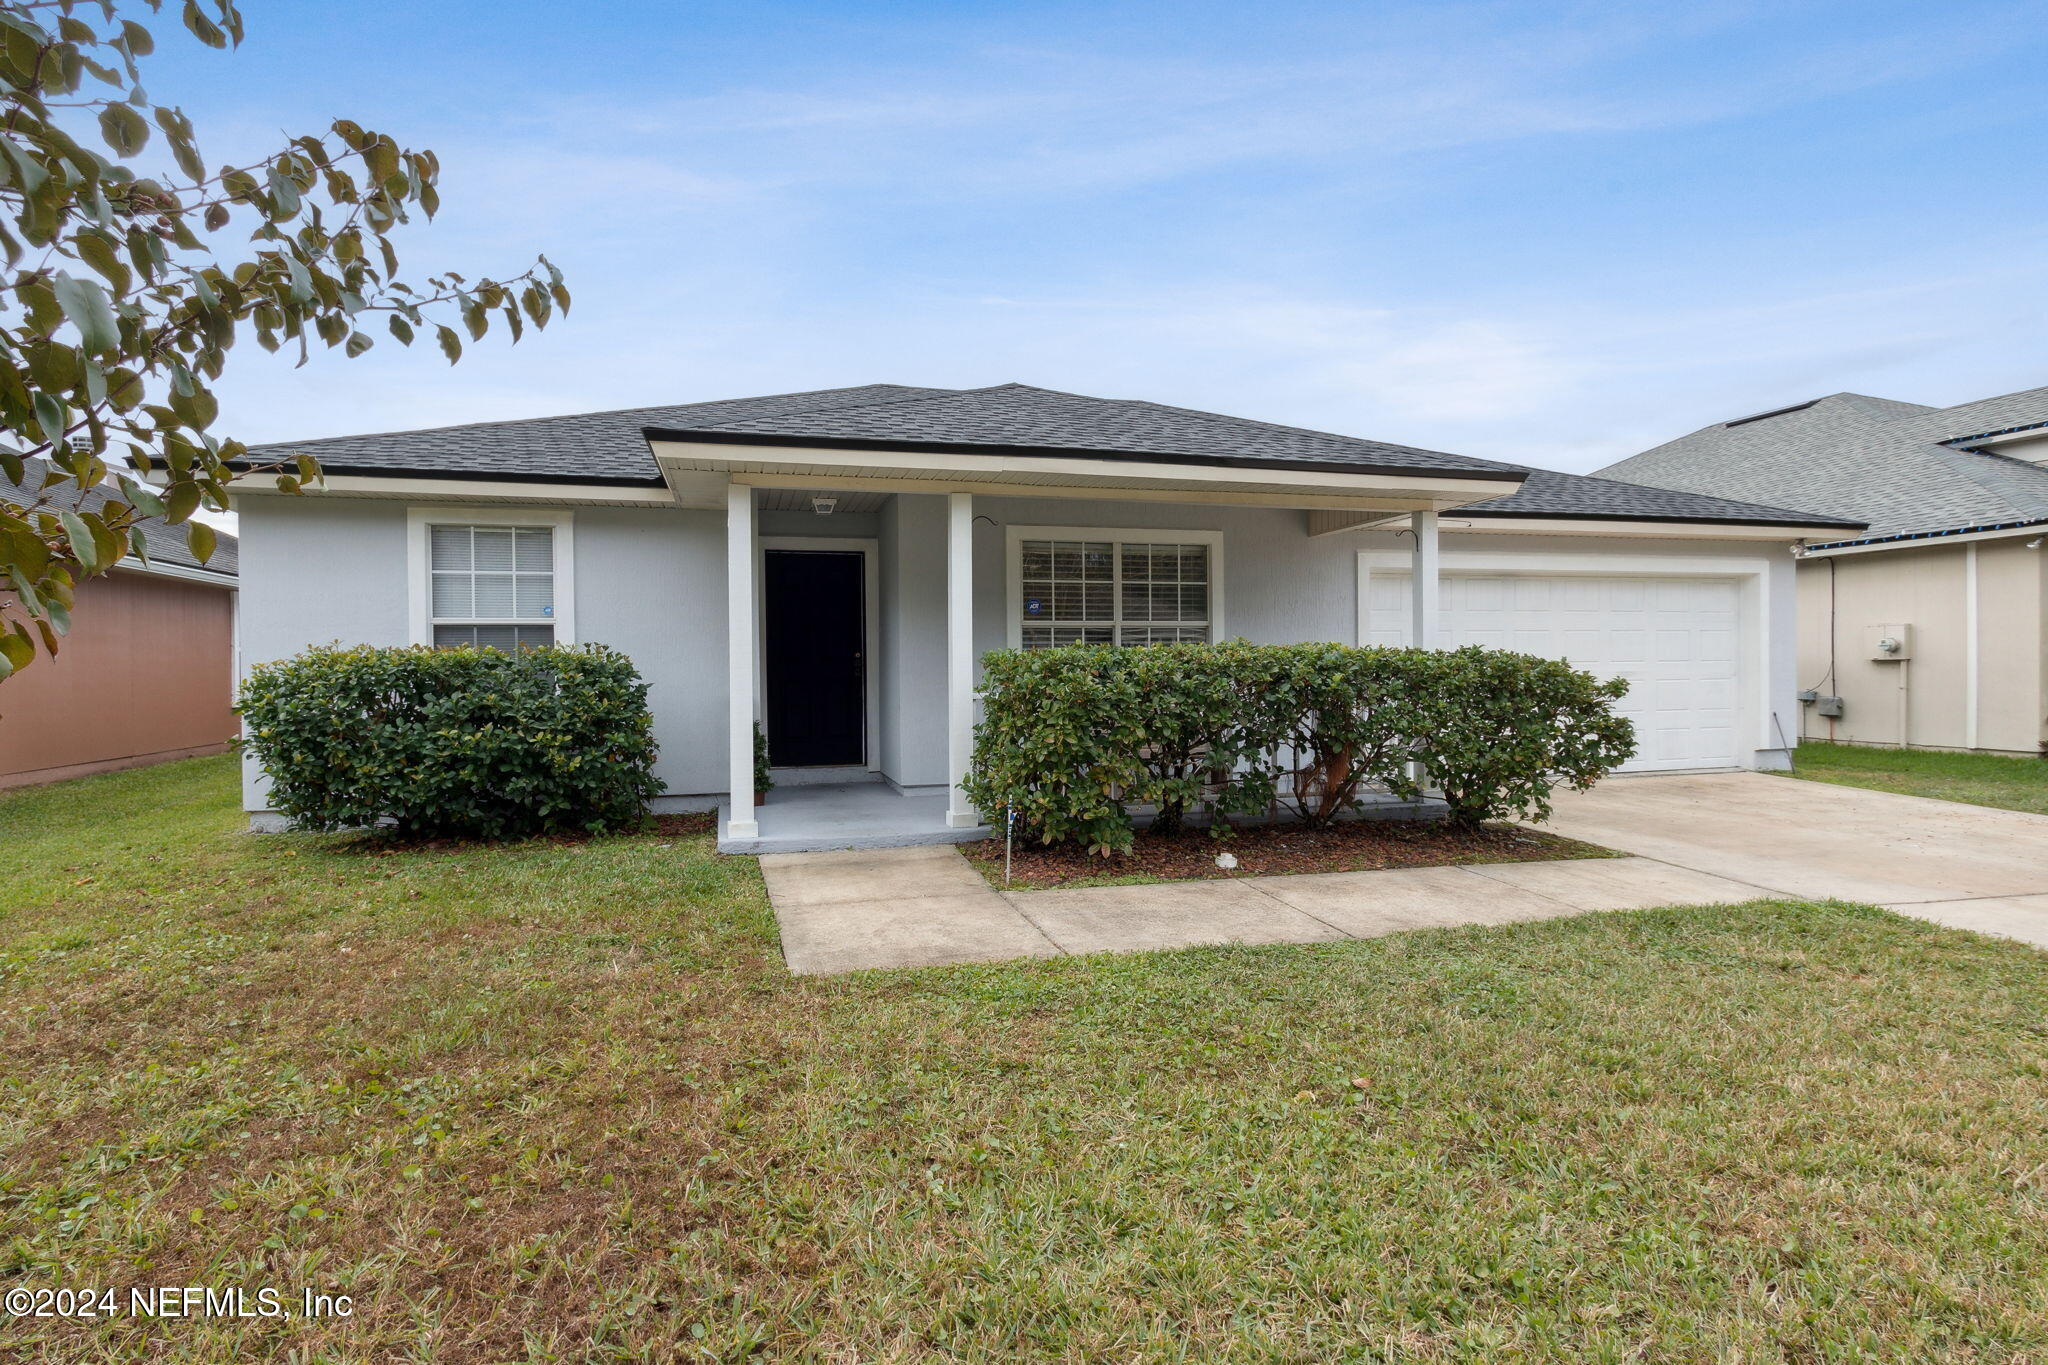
x=1976, y=779
x=561, y=1102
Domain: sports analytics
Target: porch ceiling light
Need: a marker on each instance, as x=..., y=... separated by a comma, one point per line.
x=823, y=503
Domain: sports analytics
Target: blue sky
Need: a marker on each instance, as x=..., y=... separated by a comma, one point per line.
x=1547, y=233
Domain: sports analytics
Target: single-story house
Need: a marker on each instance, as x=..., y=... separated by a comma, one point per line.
x=146, y=674
x=1930, y=627
x=833, y=564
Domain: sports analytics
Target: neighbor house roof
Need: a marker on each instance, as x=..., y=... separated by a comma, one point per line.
x=1580, y=497
x=1905, y=468
x=166, y=544
x=612, y=447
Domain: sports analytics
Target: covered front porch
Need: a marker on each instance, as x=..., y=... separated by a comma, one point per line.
x=863, y=812
x=916, y=594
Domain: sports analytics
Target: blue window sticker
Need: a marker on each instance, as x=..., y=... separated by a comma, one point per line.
x=1034, y=606
x=547, y=611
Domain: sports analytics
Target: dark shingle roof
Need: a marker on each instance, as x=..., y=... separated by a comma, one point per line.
x=1014, y=417
x=611, y=447
x=1549, y=493
x=166, y=544
x=584, y=447
x=1888, y=463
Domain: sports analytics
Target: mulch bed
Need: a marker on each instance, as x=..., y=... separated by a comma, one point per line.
x=1354, y=846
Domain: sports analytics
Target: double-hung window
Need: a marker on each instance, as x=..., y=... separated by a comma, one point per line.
x=1103, y=587
x=496, y=584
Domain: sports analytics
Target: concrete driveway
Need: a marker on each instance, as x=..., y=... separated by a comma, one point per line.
x=1968, y=866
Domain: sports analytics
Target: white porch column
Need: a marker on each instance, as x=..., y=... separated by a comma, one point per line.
x=739, y=659
x=1423, y=613
x=959, y=656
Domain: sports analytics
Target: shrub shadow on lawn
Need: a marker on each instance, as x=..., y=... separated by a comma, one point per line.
x=385, y=841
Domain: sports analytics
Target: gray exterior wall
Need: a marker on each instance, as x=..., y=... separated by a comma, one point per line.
x=651, y=582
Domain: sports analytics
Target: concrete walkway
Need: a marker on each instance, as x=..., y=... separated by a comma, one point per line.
x=1699, y=840
x=921, y=907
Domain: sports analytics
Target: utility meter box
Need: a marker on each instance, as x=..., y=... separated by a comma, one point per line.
x=1889, y=643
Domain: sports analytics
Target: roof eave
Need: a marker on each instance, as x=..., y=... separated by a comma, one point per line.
x=1792, y=528
x=482, y=475
x=712, y=436
x=1902, y=539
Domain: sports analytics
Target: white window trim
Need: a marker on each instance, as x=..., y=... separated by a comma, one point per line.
x=418, y=522
x=1015, y=536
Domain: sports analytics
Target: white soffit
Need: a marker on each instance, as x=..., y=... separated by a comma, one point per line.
x=688, y=465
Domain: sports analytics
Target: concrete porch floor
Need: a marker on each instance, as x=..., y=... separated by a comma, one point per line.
x=846, y=815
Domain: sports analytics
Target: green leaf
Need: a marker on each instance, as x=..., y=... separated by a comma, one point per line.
x=142, y=499
x=50, y=415
x=126, y=131
x=85, y=306
x=200, y=537
x=451, y=344
x=17, y=650
x=203, y=28
x=197, y=408
x=84, y=548
x=98, y=251
x=181, y=500
x=284, y=195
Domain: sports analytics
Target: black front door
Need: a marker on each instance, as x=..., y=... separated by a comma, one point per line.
x=813, y=633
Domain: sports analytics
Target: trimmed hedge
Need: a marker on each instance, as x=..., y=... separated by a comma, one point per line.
x=454, y=742
x=1071, y=738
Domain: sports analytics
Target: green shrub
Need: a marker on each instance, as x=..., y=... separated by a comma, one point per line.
x=1071, y=739
x=1059, y=744
x=1501, y=730
x=463, y=742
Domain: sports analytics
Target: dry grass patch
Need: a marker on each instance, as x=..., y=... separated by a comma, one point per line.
x=562, y=1103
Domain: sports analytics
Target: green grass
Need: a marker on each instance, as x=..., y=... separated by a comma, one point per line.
x=563, y=1103
x=1975, y=779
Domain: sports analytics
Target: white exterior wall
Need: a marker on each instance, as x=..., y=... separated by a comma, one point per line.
x=913, y=681
x=651, y=582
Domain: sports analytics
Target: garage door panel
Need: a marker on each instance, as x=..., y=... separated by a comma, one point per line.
x=1675, y=641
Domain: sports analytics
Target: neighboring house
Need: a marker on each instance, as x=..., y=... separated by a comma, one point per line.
x=1950, y=569
x=835, y=563
x=146, y=674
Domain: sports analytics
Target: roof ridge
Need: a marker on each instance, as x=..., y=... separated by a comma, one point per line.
x=920, y=396
x=573, y=416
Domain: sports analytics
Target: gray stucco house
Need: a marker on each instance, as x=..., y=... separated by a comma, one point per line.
x=1930, y=627
x=833, y=564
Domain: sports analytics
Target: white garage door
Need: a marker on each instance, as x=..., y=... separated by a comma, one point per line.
x=1674, y=639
